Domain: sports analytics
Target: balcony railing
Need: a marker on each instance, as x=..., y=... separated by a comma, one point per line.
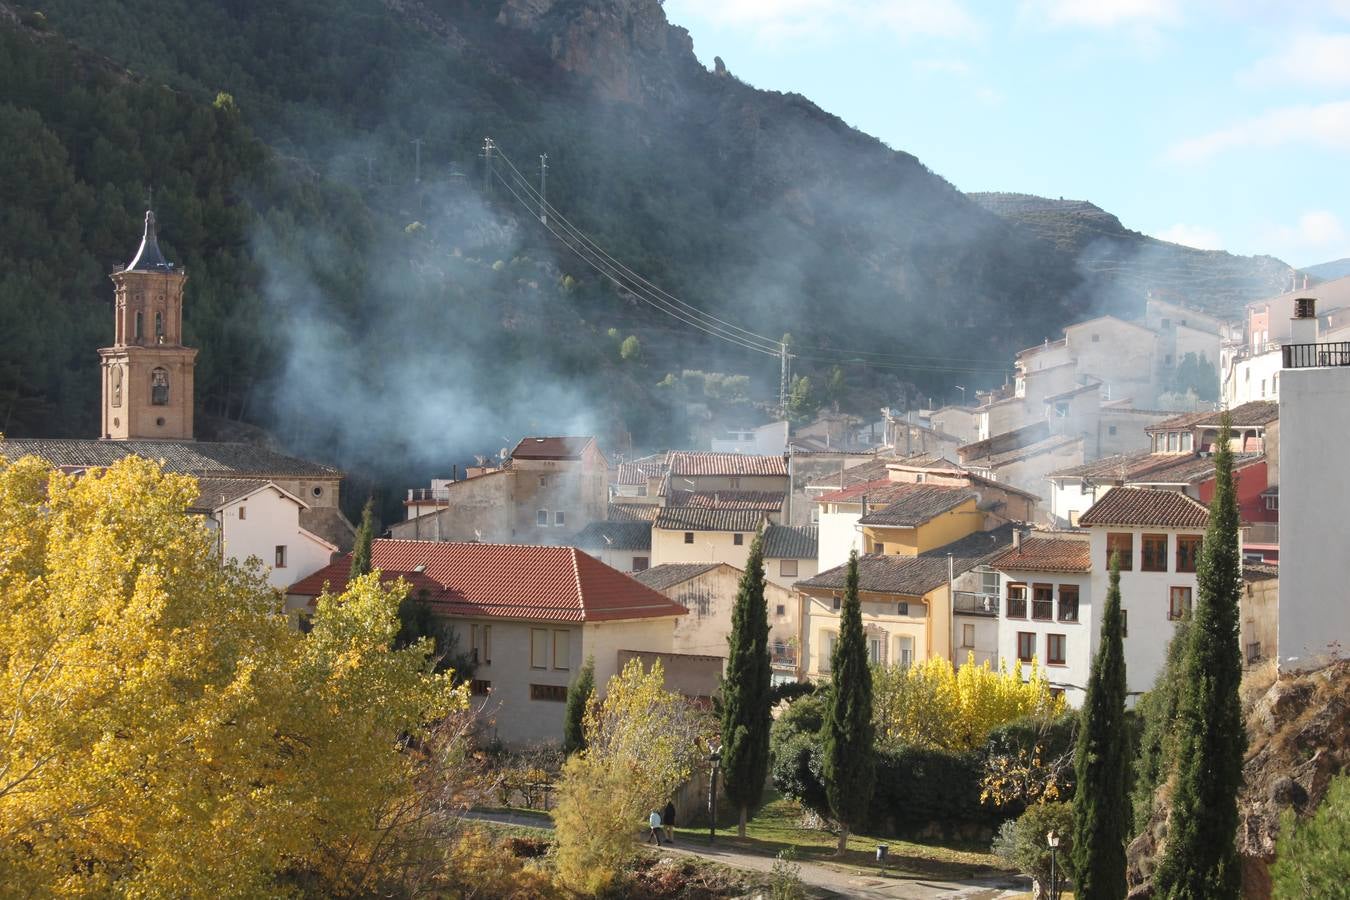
x=1311, y=356
x=1017, y=607
x=428, y=495
x=970, y=603
x=1043, y=609
x=782, y=655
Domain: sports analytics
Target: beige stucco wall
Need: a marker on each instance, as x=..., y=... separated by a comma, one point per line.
x=773, y=572
x=708, y=547
x=1260, y=618
x=880, y=619
x=710, y=598
x=507, y=710
x=603, y=641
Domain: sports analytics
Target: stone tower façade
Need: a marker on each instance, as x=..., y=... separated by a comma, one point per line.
x=147, y=372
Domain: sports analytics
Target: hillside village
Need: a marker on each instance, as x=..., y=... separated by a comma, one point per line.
x=981, y=533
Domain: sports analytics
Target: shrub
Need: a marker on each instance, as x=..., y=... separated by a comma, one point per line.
x=793, y=690
x=802, y=716
x=1021, y=843
x=481, y=867
x=1312, y=857
x=785, y=878
x=797, y=773
x=919, y=789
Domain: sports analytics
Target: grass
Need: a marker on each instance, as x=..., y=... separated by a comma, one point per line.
x=777, y=826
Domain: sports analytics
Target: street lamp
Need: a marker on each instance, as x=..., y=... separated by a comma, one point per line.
x=1052, y=840
x=715, y=759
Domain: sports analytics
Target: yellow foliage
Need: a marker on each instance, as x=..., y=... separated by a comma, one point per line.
x=481, y=868
x=930, y=704
x=166, y=733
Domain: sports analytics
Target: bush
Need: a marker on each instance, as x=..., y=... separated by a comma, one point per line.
x=797, y=773
x=785, y=878
x=803, y=716
x=1312, y=857
x=1021, y=843
x=919, y=789
x=793, y=690
x=480, y=866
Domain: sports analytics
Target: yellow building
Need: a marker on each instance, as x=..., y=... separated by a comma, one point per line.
x=921, y=519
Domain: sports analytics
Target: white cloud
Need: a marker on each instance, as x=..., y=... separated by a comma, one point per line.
x=1324, y=125
x=1316, y=236
x=776, y=20
x=1103, y=13
x=1317, y=60
x=1197, y=236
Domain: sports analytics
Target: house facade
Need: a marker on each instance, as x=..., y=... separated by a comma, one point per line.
x=258, y=520
x=695, y=534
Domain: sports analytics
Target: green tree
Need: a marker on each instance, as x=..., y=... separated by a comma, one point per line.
x=365, y=538
x=1311, y=858
x=1021, y=844
x=1201, y=858
x=1158, y=710
x=802, y=400
x=745, y=691
x=849, y=768
x=630, y=349
x=1101, y=762
x=579, y=695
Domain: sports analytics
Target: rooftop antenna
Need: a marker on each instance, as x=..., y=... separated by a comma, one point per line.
x=543, y=180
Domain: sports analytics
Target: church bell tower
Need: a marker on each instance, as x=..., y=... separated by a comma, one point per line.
x=147, y=372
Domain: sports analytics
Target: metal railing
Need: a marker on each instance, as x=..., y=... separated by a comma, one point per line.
x=1017, y=607
x=971, y=603
x=1043, y=609
x=427, y=495
x=1312, y=356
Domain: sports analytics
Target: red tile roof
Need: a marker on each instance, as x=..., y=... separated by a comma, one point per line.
x=878, y=490
x=506, y=581
x=1142, y=507
x=734, y=464
x=1047, y=555
x=551, y=447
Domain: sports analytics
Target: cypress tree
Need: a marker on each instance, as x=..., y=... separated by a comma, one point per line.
x=574, y=716
x=1201, y=855
x=1100, y=802
x=1158, y=710
x=849, y=768
x=745, y=692
x=365, y=537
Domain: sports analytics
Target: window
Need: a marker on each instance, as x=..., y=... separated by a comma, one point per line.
x=1173, y=442
x=554, y=693
x=735, y=483
x=543, y=481
x=1168, y=359
x=738, y=539
x=1017, y=601
x=1178, y=602
x=1154, y=556
x=918, y=477
x=562, y=650
x=988, y=582
x=159, y=327
x=1026, y=646
x=1188, y=551
x=1124, y=623
x=1073, y=517
x=1068, y=603
x=281, y=556
x=780, y=609
x=642, y=489
x=479, y=687
x=480, y=643
x=140, y=324
x=538, y=648
x=1061, y=410
x=878, y=547
x=688, y=537
x=1096, y=338
x=1110, y=429
x=1043, y=601
x=1254, y=652
x=1263, y=387
x=905, y=651
x=243, y=513
x=1056, y=693
x=117, y=386
x=641, y=563
x=1054, y=649
x=967, y=635
x=876, y=650
x=1273, y=502
x=159, y=387
x=902, y=609
x=827, y=642
x=1187, y=442
x=541, y=517
x=1275, y=384
x=560, y=518
x=835, y=602
x=787, y=568
x=1122, y=543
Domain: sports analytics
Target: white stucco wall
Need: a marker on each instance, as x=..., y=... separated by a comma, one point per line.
x=1314, y=543
x=272, y=520
x=604, y=640
x=1254, y=378
x=1080, y=638
x=773, y=572
x=840, y=534
x=708, y=547
x=1067, y=496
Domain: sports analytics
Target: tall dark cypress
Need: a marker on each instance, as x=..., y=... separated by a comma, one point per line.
x=1101, y=803
x=365, y=537
x=579, y=695
x=849, y=769
x=745, y=691
x=1201, y=858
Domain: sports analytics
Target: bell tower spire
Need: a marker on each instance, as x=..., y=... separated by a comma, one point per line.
x=147, y=372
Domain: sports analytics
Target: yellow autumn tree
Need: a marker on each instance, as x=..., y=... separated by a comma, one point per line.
x=641, y=744
x=165, y=732
x=931, y=704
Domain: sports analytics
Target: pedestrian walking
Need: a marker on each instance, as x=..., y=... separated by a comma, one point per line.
x=654, y=823
x=668, y=819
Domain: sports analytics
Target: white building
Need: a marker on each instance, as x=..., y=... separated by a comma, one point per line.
x=258, y=520
x=766, y=440
x=1314, y=612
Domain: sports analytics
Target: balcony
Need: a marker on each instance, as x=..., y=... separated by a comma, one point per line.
x=1261, y=533
x=428, y=495
x=969, y=603
x=1312, y=356
x=1043, y=609
x=783, y=655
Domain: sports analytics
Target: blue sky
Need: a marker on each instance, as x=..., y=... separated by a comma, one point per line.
x=1222, y=125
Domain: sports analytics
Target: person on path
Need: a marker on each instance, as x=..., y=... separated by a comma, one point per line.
x=654, y=823
x=668, y=818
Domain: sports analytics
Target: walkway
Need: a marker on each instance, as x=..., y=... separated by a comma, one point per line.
x=828, y=880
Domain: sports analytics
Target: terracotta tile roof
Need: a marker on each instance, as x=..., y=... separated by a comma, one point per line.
x=791, y=542
x=868, y=471
x=1047, y=555
x=927, y=461
x=665, y=577
x=1259, y=571
x=765, y=501
x=878, y=490
x=506, y=581
x=914, y=576
x=180, y=457
x=1117, y=467
x=1248, y=415
x=994, y=460
x=1178, y=422
x=694, y=518
x=632, y=512
x=615, y=536
x=639, y=470
x=1143, y=507
x=551, y=447
x=684, y=462
x=1189, y=469
x=918, y=505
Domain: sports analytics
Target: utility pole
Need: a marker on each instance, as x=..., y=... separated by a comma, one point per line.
x=487, y=165
x=543, y=180
x=783, y=358
x=417, y=176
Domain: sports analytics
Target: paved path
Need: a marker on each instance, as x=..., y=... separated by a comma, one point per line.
x=846, y=881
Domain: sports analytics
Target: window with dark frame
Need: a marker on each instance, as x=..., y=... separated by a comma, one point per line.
x=1043, y=602
x=641, y=563
x=541, y=517
x=787, y=568
x=1124, y=623
x=1178, y=602
x=281, y=557
x=835, y=602
x=1054, y=649
x=688, y=537
x=480, y=687
x=1121, y=542
x=1154, y=555
x=1017, y=601
x=738, y=539
x=902, y=608
x=553, y=693
x=1068, y=603
x=1026, y=646
x=1188, y=551
x=560, y=518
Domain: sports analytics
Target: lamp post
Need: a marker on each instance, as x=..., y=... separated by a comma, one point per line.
x=1052, y=841
x=715, y=759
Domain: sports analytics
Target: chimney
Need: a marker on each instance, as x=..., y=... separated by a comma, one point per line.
x=1017, y=538
x=1303, y=326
